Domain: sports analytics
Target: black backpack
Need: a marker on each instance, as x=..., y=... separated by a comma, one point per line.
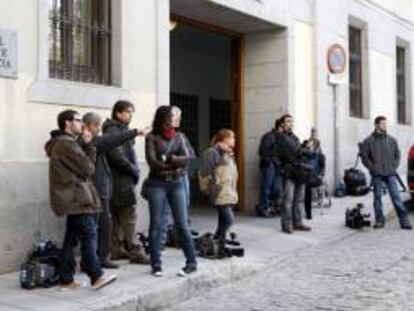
x=355, y=180
x=40, y=269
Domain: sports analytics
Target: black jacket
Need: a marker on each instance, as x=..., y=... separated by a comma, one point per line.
x=380, y=154
x=124, y=166
x=267, y=150
x=289, y=152
x=102, y=178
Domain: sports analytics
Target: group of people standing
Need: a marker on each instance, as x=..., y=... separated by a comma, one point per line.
x=93, y=176
x=290, y=169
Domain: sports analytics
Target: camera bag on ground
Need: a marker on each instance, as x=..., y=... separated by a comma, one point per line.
x=355, y=180
x=208, y=246
x=40, y=269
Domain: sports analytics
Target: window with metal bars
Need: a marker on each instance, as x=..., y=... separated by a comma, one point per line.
x=355, y=72
x=80, y=40
x=401, y=85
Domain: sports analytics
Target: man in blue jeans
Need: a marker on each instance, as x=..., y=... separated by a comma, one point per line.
x=271, y=182
x=381, y=156
x=71, y=166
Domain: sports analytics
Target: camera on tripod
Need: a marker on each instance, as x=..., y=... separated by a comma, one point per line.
x=356, y=219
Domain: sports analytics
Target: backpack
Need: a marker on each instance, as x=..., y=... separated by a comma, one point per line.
x=355, y=181
x=40, y=269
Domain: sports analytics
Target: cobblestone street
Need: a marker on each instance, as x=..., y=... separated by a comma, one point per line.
x=369, y=270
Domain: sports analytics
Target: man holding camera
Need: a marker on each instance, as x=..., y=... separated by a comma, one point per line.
x=293, y=167
x=381, y=156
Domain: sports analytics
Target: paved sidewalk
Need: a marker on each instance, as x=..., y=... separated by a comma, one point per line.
x=136, y=289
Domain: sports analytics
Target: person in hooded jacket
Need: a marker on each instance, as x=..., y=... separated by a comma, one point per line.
x=72, y=194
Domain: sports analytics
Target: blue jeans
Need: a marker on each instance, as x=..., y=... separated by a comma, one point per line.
x=270, y=187
x=292, y=207
x=392, y=184
x=83, y=229
x=161, y=195
x=167, y=216
x=225, y=220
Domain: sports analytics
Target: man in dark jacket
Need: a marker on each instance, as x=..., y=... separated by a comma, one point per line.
x=271, y=181
x=381, y=156
x=291, y=157
x=102, y=179
x=125, y=176
x=72, y=194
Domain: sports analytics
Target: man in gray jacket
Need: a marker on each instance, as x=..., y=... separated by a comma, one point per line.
x=381, y=156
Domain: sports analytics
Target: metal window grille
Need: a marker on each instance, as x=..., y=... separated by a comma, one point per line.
x=189, y=116
x=355, y=72
x=401, y=85
x=80, y=40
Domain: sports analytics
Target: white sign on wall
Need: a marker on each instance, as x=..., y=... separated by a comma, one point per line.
x=8, y=53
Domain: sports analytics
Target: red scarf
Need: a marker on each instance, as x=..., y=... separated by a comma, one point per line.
x=169, y=133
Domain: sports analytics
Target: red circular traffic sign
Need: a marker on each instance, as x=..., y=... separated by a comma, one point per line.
x=336, y=58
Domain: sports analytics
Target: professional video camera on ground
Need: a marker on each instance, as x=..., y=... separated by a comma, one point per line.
x=355, y=219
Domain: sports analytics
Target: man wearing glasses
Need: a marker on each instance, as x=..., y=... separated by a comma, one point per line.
x=72, y=194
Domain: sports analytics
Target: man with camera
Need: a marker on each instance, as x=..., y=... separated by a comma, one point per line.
x=295, y=175
x=381, y=156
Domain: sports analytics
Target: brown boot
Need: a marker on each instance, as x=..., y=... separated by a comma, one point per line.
x=120, y=254
x=138, y=256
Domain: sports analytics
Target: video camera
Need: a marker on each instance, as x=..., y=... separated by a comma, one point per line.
x=208, y=246
x=355, y=219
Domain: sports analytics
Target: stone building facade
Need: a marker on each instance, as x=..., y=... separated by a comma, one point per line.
x=128, y=51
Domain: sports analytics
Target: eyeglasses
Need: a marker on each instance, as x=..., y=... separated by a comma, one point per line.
x=77, y=120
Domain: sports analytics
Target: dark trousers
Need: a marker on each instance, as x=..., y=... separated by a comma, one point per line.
x=80, y=228
x=104, y=231
x=270, y=186
x=225, y=220
x=308, y=201
x=123, y=229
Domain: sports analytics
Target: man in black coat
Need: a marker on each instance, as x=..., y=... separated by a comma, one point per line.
x=290, y=156
x=102, y=179
x=381, y=156
x=271, y=182
x=125, y=175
